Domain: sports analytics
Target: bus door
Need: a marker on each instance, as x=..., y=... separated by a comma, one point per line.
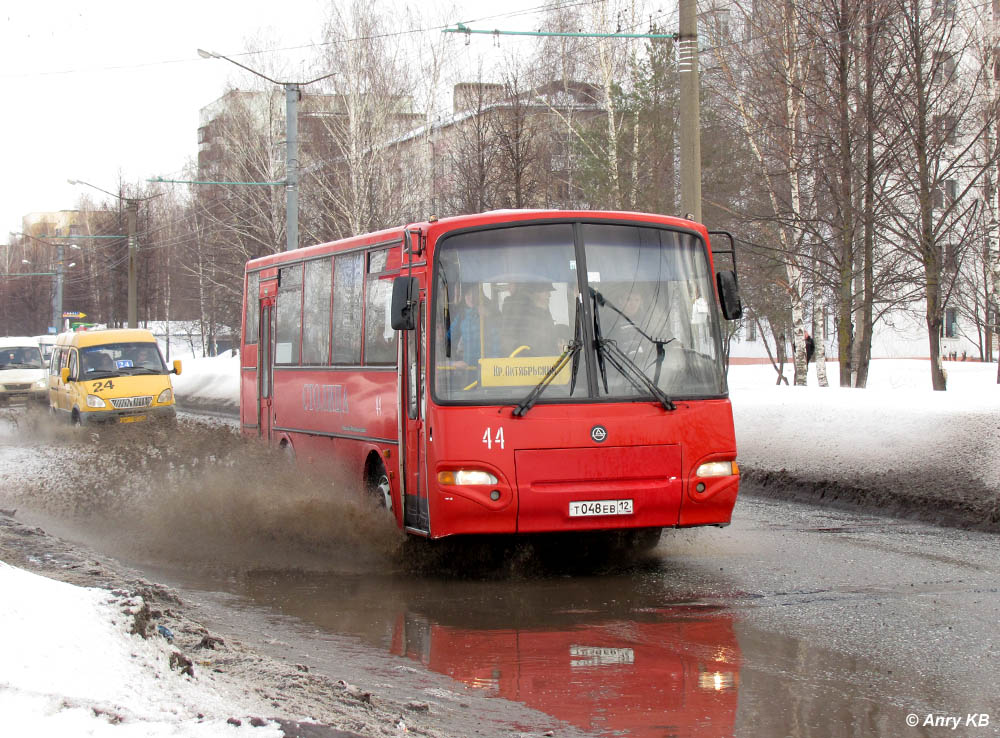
x=416, y=515
x=265, y=366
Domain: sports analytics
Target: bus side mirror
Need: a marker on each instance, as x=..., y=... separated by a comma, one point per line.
x=177, y=367
x=729, y=295
x=64, y=374
x=405, y=291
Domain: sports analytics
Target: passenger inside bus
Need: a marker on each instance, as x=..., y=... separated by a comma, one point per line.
x=96, y=362
x=477, y=324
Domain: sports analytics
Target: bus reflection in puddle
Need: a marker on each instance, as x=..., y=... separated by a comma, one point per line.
x=672, y=672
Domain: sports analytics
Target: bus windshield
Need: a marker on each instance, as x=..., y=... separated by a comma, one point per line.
x=638, y=299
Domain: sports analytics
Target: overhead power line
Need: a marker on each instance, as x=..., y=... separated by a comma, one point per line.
x=462, y=28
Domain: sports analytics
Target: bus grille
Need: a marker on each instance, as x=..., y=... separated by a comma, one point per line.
x=128, y=403
x=17, y=387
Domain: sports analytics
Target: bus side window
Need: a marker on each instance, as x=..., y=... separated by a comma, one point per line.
x=348, y=274
x=380, y=338
x=316, y=312
x=253, y=309
x=288, y=319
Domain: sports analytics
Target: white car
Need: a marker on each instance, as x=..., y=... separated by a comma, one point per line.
x=23, y=376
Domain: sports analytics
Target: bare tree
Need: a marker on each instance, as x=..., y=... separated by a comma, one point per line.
x=769, y=76
x=355, y=179
x=473, y=151
x=934, y=202
x=516, y=123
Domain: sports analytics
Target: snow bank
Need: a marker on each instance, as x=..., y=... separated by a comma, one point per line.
x=71, y=667
x=896, y=445
x=211, y=382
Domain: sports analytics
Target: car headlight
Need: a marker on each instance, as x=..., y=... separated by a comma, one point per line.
x=165, y=397
x=466, y=476
x=717, y=469
x=95, y=401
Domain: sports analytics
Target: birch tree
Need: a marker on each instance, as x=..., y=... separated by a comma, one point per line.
x=355, y=180
x=769, y=103
x=934, y=202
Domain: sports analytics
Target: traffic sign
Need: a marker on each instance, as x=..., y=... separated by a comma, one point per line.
x=74, y=314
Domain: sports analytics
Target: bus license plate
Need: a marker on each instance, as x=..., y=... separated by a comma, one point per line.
x=131, y=418
x=600, y=507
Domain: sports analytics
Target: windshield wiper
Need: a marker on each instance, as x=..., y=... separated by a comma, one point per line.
x=608, y=351
x=572, y=351
x=630, y=370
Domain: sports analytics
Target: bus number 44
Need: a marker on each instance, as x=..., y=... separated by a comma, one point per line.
x=490, y=440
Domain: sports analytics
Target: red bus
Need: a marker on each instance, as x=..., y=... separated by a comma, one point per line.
x=505, y=372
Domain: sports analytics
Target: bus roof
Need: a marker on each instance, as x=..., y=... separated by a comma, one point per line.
x=435, y=226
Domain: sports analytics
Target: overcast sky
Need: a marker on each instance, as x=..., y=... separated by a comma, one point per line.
x=106, y=88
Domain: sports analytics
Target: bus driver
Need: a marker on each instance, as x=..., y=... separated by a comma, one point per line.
x=527, y=320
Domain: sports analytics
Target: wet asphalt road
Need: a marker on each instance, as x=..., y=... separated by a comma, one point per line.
x=793, y=621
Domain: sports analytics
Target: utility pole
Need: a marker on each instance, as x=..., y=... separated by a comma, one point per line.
x=57, y=293
x=132, y=217
x=690, y=110
x=293, y=93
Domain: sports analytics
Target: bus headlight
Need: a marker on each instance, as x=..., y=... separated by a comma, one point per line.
x=718, y=469
x=95, y=401
x=41, y=384
x=466, y=476
x=165, y=397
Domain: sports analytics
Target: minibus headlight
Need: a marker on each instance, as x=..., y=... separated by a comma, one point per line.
x=95, y=401
x=466, y=476
x=718, y=469
x=165, y=397
x=41, y=383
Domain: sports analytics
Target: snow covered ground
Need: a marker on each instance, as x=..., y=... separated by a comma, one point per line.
x=897, y=424
x=71, y=664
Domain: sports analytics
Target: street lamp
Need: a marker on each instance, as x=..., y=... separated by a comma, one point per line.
x=132, y=216
x=293, y=92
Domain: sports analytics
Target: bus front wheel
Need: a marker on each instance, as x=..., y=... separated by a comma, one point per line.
x=378, y=486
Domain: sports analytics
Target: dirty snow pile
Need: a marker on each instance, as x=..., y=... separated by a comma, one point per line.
x=897, y=424
x=897, y=428
x=69, y=666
